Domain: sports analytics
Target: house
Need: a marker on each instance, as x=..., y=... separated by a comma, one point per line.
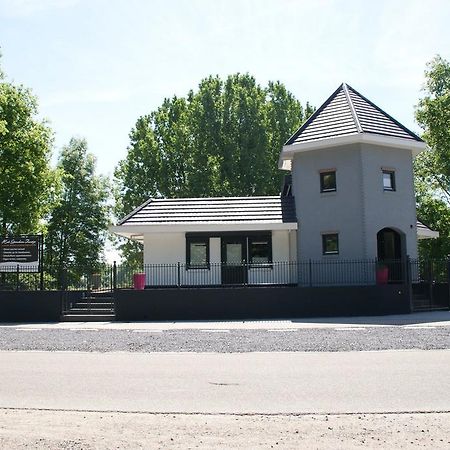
x=350, y=197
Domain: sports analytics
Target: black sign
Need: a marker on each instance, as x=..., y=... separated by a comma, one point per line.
x=22, y=251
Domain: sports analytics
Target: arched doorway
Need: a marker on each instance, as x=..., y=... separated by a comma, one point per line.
x=389, y=244
x=391, y=251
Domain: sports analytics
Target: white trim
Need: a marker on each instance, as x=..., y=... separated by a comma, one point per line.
x=427, y=233
x=129, y=231
x=289, y=151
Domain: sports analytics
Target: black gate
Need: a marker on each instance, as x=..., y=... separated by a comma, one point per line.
x=430, y=286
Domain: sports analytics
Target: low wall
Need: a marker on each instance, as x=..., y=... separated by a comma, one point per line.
x=260, y=302
x=30, y=306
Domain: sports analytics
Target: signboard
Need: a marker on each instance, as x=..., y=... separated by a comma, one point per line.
x=23, y=253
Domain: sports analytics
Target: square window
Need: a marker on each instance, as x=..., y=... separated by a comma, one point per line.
x=197, y=253
x=328, y=181
x=330, y=244
x=260, y=250
x=388, y=180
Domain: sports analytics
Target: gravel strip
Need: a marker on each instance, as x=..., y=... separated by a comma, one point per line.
x=235, y=341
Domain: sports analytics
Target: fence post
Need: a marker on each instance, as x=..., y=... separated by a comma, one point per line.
x=17, y=278
x=310, y=272
x=431, y=282
x=178, y=275
x=114, y=280
x=246, y=272
x=41, y=277
x=448, y=279
x=408, y=282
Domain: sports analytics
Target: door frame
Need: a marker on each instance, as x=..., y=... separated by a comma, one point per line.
x=234, y=273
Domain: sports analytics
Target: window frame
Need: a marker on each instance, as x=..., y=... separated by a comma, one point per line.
x=250, y=240
x=322, y=175
x=196, y=240
x=391, y=173
x=324, y=241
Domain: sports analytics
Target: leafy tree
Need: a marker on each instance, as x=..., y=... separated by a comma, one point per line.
x=222, y=140
x=433, y=168
x=77, y=225
x=27, y=183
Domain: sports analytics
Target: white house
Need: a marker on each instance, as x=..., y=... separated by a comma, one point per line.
x=351, y=198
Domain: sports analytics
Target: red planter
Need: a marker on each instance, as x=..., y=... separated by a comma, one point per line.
x=139, y=281
x=382, y=275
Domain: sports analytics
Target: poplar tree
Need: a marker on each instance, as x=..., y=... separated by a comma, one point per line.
x=77, y=226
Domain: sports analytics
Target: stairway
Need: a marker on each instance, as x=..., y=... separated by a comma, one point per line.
x=93, y=306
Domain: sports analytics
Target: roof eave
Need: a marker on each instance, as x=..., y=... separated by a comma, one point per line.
x=427, y=234
x=128, y=231
x=288, y=151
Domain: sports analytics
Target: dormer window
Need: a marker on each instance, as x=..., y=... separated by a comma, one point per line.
x=388, y=180
x=328, y=181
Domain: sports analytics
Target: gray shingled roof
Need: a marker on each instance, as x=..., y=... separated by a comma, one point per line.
x=348, y=112
x=213, y=210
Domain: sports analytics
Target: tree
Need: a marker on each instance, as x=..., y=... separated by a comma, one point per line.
x=432, y=168
x=27, y=182
x=222, y=140
x=77, y=225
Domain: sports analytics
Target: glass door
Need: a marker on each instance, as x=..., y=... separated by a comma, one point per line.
x=234, y=268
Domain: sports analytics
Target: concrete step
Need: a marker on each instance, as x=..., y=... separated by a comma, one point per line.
x=85, y=311
x=93, y=305
x=418, y=308
x=88, y=318
x=97, y=299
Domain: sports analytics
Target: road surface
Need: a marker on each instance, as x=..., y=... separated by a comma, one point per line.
x=258, y=383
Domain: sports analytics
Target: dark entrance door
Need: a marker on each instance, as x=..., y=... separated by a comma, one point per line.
x=389, y=249
x=234, y=267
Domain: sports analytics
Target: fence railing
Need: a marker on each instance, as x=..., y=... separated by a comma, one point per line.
x=333, y=272
x=302, y=273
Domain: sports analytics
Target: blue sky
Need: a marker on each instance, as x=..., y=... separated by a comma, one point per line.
x=97, y=65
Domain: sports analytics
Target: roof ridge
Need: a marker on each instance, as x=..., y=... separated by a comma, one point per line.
x=313, y=116
x=135, y=210
x=252, y=197
x=352, y=108
x=407, y=130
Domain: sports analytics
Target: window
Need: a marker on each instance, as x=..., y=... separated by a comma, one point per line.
x=388, y=180
x=328, y=181
x=260, y=250
x=197, y=253
x=330, y=244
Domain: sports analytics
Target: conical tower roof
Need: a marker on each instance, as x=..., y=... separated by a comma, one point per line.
x=347, y=117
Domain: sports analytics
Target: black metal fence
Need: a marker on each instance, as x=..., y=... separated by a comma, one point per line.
x=306, y=273
x=68, y=278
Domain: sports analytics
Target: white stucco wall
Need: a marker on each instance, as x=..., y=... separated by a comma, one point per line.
x=163, y=252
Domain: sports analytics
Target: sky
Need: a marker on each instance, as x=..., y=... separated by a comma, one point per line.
x=97, y=65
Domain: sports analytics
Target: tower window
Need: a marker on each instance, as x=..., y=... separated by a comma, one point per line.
x=388, y=180
x=328, y=181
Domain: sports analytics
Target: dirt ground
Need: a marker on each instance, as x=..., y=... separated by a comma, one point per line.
x=35, y=429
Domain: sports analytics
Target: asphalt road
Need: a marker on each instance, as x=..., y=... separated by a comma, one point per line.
x=264, y=383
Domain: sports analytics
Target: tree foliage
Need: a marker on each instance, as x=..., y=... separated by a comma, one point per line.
x=223, y=139
x=27, y=183
x=433, y=168
x=77, y=225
